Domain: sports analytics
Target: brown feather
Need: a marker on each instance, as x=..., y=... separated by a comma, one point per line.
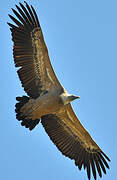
x=97, y=165
x=27, y=14
x=31, y=14
x=24, y=17
x=24, y=36
x=37, y=76
x=102, y=166
x=104, y=161
x=66, y=131
x=93, y=165
x=20, y=18
x=16, y=21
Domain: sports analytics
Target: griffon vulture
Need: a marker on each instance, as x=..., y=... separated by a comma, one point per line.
x=47, y=100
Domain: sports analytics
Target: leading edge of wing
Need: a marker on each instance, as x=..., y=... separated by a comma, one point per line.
x=30, y=52
x=65, y=134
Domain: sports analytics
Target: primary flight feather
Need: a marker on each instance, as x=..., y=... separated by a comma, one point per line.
x=47, y=100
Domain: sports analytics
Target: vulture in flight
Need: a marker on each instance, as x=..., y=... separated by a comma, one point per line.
x=47, y=101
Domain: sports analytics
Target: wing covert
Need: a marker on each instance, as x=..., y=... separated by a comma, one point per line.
x=71, y=138
x=30, y=52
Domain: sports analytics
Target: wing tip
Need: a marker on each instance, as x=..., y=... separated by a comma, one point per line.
x=105, y=156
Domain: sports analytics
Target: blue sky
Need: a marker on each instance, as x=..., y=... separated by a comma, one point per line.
x=81, y=37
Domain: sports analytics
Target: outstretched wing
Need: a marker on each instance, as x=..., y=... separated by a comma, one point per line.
x=30, y=52
x=72, y=139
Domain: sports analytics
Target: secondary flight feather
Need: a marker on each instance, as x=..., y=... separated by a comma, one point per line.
x=47, y=100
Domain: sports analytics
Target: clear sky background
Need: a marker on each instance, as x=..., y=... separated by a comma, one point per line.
x=81, y=37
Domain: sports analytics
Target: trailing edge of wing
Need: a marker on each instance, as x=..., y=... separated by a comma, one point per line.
x=75, y=142
x=30, y=52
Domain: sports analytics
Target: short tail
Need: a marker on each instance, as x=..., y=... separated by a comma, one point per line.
x=27, y=122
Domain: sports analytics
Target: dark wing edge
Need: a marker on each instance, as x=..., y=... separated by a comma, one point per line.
x=23, y=50
x=72, y=147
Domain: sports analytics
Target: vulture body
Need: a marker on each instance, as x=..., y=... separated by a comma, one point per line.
x=47, y=101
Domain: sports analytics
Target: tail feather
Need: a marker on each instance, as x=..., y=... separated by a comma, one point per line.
x=28, y=123
x=22, y=100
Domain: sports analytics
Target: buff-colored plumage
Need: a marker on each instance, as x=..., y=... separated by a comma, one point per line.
x=48, y=100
